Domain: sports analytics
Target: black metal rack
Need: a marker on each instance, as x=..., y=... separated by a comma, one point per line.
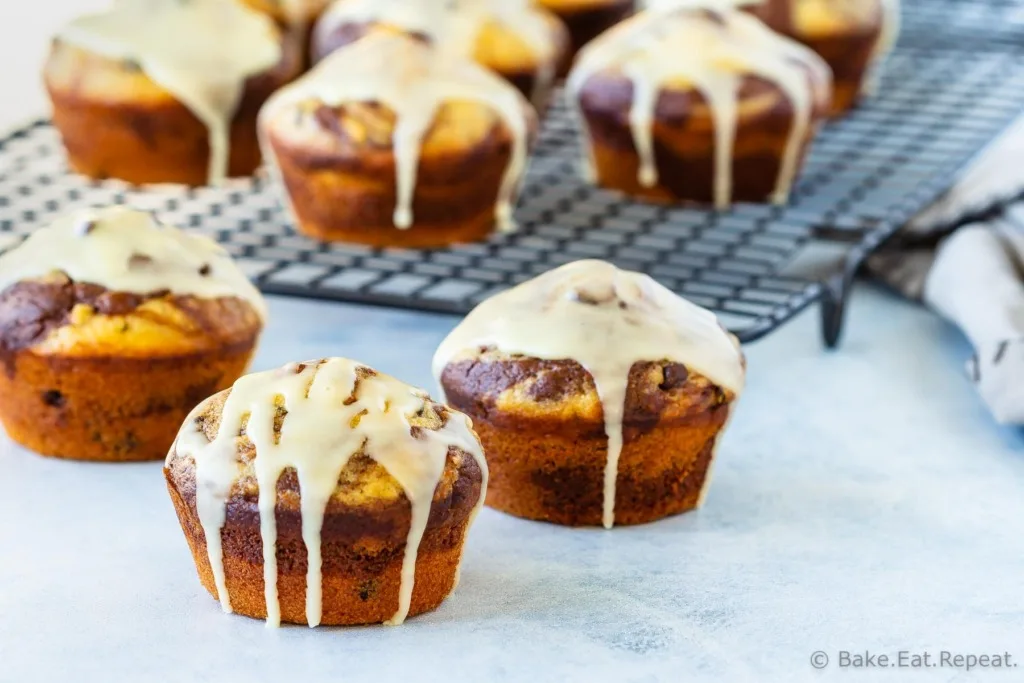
x=938, y=103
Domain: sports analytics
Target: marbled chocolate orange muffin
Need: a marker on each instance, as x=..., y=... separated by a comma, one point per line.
x=391, y=142
x=700, y=103
x=112, y=328
x=517, y=39
x=370, y=485
x=598, y=394
x=163, y=91
x=852, y=36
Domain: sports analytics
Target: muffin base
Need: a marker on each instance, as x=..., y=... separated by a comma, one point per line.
x=109, y=409
x=361, y=573
x=558, y=475
x=140, y=144
x=684, y=142
x=157, y=140
x=454, y=202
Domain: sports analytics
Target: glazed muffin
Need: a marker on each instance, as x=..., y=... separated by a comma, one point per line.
x=390, y=142
x=515, y=38
x=698, y=104
x=851, y=35
x=587, y=19
x=161, y=91
x=112, y=328
x=371, y=487
x=598, y=394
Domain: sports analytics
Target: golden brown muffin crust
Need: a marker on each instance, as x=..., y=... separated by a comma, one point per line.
x=339, y=168
x=359, y=135
x=506, y=390
x=610, y=94
x=117, y=122
x=32, y=310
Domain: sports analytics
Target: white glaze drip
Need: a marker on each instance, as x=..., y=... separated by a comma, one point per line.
x=125, y=250
x=891, y=23
x=455, y=26
x=200, y=51
x=323, y=428
x=607, y=320
x=680, y=44
x=414, y=81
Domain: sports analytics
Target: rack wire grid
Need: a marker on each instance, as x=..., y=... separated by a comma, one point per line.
x=938, y=103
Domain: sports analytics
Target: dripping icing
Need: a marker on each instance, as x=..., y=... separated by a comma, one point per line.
x=414, y=81
x=201, y=51
x=607, y=320
x=455, y=26
x=713, y=53
x=315, y=396
x=104, y=246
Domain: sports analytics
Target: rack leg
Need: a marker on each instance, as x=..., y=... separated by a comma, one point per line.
x=833, y=309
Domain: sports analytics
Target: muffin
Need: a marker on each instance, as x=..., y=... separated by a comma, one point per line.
x=598, y=394
x=698, y=104
x=366, y=488
x=163, y=91
x=390, y=142
x=519, y=40
x=112, y=328
x=586, y=19
x=851, y=35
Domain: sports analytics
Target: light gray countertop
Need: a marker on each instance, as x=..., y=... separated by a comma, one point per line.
x=862, y=500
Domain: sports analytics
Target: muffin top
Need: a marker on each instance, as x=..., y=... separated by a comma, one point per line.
x=605, y=318
x=726, y=58
x=626, y=332
x=506, y=35
x=114, y=280
x=201, y=51
x=342, y=433
x=394, y=93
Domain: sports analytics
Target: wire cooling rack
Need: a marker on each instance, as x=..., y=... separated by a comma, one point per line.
x=756, y=265
x=965, y=21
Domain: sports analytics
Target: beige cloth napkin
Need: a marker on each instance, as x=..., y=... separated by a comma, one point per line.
x=974, y=275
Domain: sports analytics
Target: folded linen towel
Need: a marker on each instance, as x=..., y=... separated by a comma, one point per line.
x=964, y=258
